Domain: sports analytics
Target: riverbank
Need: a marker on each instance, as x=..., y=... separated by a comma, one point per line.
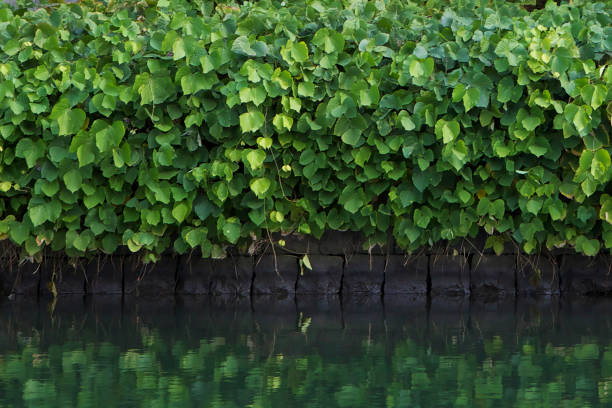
x=339, y=265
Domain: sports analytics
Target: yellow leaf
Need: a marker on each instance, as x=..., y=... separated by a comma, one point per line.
x=5, y=186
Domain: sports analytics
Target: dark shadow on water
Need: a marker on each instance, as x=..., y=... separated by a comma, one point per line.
x=355, y=316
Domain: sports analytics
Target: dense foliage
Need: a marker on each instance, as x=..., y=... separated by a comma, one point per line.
x=190, y=124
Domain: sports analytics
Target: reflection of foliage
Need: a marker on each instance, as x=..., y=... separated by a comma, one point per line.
x=218, y=372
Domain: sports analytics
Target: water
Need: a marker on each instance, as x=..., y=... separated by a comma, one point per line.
x=313, y=352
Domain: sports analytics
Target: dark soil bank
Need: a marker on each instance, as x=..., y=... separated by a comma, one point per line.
x=339, y=266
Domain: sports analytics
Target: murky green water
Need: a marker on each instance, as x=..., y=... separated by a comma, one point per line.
x=103, y=352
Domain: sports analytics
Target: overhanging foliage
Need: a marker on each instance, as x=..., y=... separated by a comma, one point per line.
x=188, y=125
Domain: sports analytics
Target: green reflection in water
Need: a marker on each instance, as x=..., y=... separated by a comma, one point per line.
x=136, y=360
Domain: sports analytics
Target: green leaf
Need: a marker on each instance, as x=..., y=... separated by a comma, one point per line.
x=264, y=142
x=215, y=60
x=447, y=130
x=5, y=186
x=178, y=49
x=556, y=210
x=257, y=216
x=86, y=154
x=589, y=247
x=73, y=180
x=180, y=211
x=299, y=52
x=561, y=60
x=143, y=238
x=231, y=230
x=361, y=155
x=483, y=206
x=331, y=41
x=203, y=208
x=534, y=206
x=195, y=237
x=169, y=39
x=581, y=120
x=458, y=92
x=256, y=158
x=282, y=122
x=349, y=119
x=71, y=121
x=585, y=213
x=193, y=83
x=251, y=121
x=260, y=186
x=505, y=48
x=588, y=186
x=110, y=136
x=19, y=232
x=497, y=243
x=422, y=217
x=605, y=212
x=122, y=155
x=586, y=158
x=353, y=204
x=470, y=98
x=79, y=241
x=497, y=209
x=31, y=151
x=154, y=89
x=11, y=47
x=369, y=96
x=242, y=46
x=594, y=96
x=421, y=68
x=257, y=95
x=306, y=89
x=306, y=262
x=406, y=120
x=600, y=165
x=351, y=130
x=539, y=147
x=459, y=155
x=421, y=180
x=531, y=122
x=351, y=137
x=38, y=214
x=282, y=78
x=420, y=51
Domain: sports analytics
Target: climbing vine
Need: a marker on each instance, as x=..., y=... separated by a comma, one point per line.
x=170, y=124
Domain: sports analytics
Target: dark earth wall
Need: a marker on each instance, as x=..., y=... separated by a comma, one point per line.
x=339, y=265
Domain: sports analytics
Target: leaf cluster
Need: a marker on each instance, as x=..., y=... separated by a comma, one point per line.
x=185, y=125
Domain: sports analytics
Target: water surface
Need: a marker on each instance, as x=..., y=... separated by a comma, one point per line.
x=309, y=352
